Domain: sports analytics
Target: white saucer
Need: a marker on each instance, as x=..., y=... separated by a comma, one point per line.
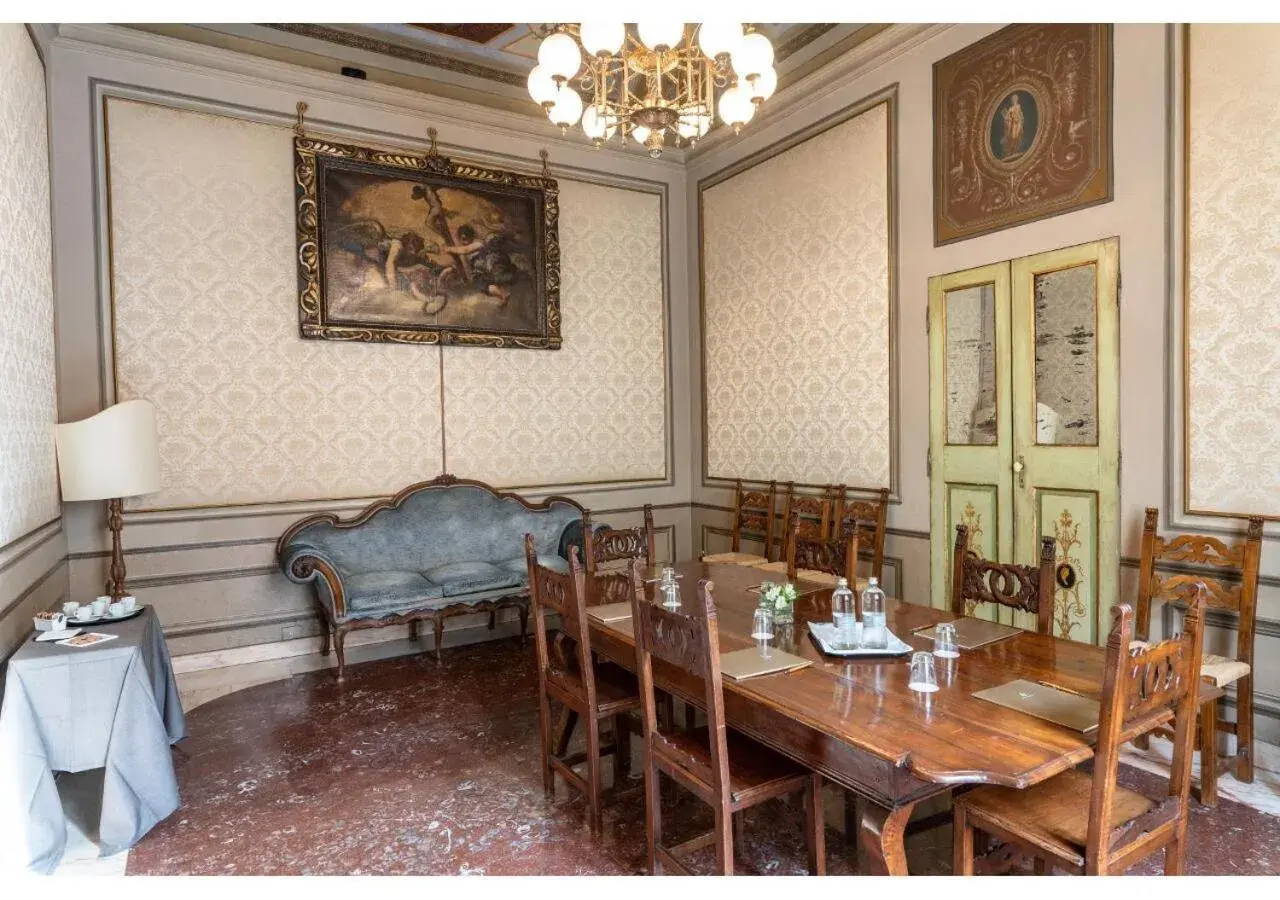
x=57, y=635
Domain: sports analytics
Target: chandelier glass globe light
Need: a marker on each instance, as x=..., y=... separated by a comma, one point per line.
x=659, y=83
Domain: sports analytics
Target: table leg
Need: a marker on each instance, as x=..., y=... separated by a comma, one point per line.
x=883, y=833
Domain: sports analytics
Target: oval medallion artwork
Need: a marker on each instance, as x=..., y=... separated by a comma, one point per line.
x=1022, y=128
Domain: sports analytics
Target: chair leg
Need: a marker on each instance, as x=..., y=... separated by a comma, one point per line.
x=438, y=627
x=816, y=825
x=1038, y=866
x=415, y=630
x=593, y=774
x=1209, y=753
x=326, y=636
x=961, y=842
x=652, y=814
x=621, y=749
x=568, y=719
x=493, y=619
x=1244, y=729
x=1175, y=852
x=690, y=717
x=544, y=746
x=851, y=818
x=724, y=842
x=339, y=639
x=524, y=623
x=1142, y=742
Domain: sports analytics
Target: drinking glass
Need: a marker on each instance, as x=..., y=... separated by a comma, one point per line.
x=762, y=624
x=671, y=594
x=944, y=641
x=923, y=677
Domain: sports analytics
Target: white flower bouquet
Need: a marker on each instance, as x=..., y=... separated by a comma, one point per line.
x=781, y=598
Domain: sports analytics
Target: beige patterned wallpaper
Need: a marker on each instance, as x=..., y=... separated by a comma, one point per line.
x=595, y=410
x=206, y=327
x=28, y=402
x=796, y=299
x=1233, y=316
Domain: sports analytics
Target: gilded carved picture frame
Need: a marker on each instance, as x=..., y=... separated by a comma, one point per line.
x=1021, y=128
x=395, y=247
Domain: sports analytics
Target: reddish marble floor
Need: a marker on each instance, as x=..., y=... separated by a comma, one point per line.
x=418, y=768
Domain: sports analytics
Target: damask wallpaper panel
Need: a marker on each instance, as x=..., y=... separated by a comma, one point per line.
x=595, y=410
x=1232, y=318
x=206, y=327
x=28, y=401
x=796, y=304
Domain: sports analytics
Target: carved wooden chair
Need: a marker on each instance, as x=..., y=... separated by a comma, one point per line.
x=1239, y=560
x=810, y=513
x=1085, y=823
x=869, y=514
x=568, y=676
x=724, y=769
x=822, y=561
x=975, y=580
x=753, y=518
x=609, y=546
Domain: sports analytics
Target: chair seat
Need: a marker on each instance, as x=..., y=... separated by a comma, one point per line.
x=1052, y=815
x=1222, y=669
x=737, y=559
x=755, y=772
x=616, y=688
x=777, y=568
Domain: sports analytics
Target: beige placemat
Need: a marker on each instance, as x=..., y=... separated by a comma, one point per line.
x=610, y=612
x=748, y=663
x=1047, y=702
x=974, y=633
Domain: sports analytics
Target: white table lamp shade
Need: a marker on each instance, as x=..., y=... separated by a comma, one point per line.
x=113, y=454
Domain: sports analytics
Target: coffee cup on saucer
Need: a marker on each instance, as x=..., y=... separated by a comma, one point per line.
x=69, y=608
x=129, y=602
x=85, y=613
x=100, y=605
x=116, y=610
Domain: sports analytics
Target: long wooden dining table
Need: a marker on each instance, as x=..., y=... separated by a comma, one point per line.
x=856, y=721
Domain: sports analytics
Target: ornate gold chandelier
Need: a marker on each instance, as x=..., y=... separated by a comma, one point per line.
x=654, y=81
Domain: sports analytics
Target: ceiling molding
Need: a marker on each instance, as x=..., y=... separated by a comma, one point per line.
x=134, y=44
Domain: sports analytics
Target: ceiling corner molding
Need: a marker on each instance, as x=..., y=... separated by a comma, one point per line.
x=142, y=46
x=42, y=35
x=879, y=50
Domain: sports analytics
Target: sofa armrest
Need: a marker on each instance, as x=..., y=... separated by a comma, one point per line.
x=303, y=563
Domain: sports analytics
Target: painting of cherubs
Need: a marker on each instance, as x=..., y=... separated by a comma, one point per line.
x=414, y=250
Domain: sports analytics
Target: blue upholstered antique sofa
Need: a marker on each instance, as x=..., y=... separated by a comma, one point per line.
x=441, y=548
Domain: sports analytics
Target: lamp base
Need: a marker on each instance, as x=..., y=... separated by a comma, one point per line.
x=115, y=524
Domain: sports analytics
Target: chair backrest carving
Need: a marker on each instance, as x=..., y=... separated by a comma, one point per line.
x=1143, y=686
x=687, y=639
x=1207, y=560
x=975, y=580
x=869, y=515
x=812, y=512
x=611, y=545
x=834, y=556
x=565, y=595
x=753, y=515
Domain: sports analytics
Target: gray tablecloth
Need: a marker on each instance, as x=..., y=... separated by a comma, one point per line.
x=113, y=706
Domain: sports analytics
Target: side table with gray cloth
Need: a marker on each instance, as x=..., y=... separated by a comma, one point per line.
x=113, y=706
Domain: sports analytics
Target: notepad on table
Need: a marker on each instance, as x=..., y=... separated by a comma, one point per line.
x=1047, y=702
x=748, y=663
x=610, y=612
x=974, y=633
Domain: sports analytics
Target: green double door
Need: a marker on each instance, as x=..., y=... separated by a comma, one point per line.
x=1024, y=436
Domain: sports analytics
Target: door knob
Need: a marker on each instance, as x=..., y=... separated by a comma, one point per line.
x=1020, y=470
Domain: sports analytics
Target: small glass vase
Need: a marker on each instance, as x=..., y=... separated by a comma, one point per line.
x=785, y=614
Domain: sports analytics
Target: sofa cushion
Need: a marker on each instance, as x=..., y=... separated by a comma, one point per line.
x=521, y=568
x=388, y=592
x=467, y=577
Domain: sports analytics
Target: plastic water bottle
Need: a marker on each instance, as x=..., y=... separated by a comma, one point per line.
x=875, y=634
x=844, y=616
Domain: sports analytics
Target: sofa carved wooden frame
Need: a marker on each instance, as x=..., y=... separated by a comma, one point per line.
x=333, y=634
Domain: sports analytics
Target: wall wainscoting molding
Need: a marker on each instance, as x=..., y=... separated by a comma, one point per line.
x=235, y=434
x=799, y=330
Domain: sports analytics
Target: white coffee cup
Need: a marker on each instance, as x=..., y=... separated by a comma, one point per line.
x=116, y=609
x=100, y=605
x=129, y=602
x=69, y=608
x=85, y=613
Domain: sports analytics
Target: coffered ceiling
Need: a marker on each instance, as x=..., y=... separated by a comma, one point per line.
x=484, y=63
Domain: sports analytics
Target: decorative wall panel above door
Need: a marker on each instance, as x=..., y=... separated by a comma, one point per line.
x=1022, y=128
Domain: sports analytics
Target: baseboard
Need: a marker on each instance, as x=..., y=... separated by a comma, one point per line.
x=256, y=653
